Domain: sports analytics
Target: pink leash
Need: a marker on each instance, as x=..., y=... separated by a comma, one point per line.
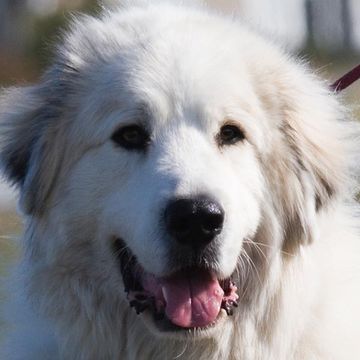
x=346, y=80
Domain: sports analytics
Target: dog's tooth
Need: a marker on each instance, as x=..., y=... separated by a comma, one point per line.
x=227, y=305
x=229, y=310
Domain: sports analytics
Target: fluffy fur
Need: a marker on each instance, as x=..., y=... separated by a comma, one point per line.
x=291, y=230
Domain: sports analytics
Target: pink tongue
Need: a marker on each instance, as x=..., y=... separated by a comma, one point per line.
x=192, y=300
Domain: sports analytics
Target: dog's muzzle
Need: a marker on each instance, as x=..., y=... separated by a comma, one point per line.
x=191, y=296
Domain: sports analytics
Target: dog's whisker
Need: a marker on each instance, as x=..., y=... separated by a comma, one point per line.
x=242, y=271
x=252, y=265
x=120, y=252
x=182, y=352
x=244, y=291
x=127, y=266
x=257, y=249
x=259, y=244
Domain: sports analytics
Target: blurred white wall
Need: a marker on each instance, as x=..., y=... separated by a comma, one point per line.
x=285, y=21
x=355, y=10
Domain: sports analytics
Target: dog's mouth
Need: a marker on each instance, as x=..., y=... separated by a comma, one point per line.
x=189, y=298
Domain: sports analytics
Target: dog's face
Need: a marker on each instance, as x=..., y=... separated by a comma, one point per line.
x=167, y=176
x=170, y=172
x=172, y=151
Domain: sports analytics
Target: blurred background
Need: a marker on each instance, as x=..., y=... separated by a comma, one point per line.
x=325, y=32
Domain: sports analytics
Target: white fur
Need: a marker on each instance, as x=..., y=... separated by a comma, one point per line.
x=291, y=229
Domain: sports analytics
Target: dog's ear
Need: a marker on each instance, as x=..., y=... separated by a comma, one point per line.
x=18, y=110
x=319, y=143
x=318, y=136
x=311, y=160
x=26, y=133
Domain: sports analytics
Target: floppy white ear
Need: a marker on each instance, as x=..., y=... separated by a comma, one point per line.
x=319, y=134
x=326, y=142
x=26, y=145
x=313, y=165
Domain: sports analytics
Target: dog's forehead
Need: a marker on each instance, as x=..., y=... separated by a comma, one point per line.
x=191, y=64
x=169, y=76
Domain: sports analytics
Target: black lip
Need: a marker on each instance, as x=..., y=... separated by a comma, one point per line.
x=128, y=263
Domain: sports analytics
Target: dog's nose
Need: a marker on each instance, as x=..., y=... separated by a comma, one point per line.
x=194, y=222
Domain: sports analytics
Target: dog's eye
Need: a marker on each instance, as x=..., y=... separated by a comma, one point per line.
x=132, y=137
x=230, y=134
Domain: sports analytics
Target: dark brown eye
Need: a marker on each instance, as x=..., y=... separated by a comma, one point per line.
x=230, y=134
x=132, y=137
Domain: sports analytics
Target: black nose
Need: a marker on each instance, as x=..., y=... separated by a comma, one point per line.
x=194, y=222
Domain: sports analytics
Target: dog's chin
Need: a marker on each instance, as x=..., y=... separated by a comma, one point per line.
x=191, y=301
x=164, y=328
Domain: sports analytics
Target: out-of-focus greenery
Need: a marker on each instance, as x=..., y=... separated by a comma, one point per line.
x=26, y=66
x=10, y=228
x=48, y=29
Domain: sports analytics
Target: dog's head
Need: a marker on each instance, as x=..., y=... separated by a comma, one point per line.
x=175, y=153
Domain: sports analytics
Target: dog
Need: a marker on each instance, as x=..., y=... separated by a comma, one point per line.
x=188, y=193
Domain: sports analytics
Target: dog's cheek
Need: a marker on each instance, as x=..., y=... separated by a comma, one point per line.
x=245, y=189
x=242, y=224
x=84, y=190
x=131, y=211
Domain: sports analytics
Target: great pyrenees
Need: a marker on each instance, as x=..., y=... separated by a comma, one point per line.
x=188, y=193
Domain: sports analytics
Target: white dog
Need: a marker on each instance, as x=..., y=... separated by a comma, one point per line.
x=188, y=194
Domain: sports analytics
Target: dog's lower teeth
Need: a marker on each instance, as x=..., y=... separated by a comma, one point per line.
x=228, y=310
x=234, y=303
x=228, y=306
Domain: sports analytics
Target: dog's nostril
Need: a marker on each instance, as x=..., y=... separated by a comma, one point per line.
x=213, y=223
x=179, y=224
x=194, y=222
